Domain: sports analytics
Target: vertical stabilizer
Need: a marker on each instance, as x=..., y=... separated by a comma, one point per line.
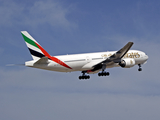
x=33, y=46
x=38, y=53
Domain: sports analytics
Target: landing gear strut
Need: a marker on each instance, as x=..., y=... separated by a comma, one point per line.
x=84, y=76
x=139, y=69
x=103, y=73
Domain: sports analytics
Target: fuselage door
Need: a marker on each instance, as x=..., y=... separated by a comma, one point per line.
x=88, y=59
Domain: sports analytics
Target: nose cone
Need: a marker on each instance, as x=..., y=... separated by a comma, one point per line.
x=146, y=57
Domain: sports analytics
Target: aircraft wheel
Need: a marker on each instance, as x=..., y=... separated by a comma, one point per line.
x=84, y=77
x=88, y=77
x=140, y=69
x=103, y=74
x=99, y=74
x=107, y=73
x=80, y=77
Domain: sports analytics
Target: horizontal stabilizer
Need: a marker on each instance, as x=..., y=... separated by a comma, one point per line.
x=43, y=60
x=15, y=65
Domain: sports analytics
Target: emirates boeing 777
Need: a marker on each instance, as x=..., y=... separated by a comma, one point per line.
x=88, y=63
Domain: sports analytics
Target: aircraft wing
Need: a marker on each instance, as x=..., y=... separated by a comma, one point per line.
x=115, y=58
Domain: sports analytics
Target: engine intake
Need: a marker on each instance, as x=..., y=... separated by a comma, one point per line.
x=127, y=63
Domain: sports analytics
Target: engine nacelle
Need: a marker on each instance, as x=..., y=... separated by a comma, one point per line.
x=127, y=63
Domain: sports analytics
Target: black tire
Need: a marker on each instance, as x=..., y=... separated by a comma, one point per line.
x=99, y=74
x=140, y=69
x=107, y=73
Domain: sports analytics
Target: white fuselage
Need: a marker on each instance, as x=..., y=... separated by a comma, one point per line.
x=82, y=62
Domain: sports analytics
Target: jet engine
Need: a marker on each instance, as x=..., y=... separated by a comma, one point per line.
x=127, y=63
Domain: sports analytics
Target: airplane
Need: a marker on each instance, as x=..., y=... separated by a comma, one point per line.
x=88, y=63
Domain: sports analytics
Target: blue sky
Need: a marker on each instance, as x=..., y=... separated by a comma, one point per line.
x=79, y=26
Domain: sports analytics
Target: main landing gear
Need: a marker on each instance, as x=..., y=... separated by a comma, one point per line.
x=84, y=76
x=103, y=73
x=139, y=69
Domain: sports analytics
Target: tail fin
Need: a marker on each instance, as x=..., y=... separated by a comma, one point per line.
x=34, y=47
x=38, y=53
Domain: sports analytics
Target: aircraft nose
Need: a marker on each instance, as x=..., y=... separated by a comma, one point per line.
x=146, y=56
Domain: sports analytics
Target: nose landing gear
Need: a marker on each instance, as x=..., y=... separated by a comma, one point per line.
x=139, y=69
